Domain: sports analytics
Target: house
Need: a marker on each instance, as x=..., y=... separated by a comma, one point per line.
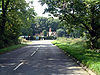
x=52, y=33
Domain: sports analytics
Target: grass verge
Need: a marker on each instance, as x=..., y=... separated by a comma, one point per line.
x=4, y=50
x=23, y=42
x=78, y=49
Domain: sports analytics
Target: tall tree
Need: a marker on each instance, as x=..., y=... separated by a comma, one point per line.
x=4, y=11
x=43, y=23
x=78, y=13
x=14, y=15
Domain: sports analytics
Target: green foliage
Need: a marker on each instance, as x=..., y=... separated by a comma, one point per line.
x=44, y=32
x=49, y=38
x=78, y=14
x=78, y=49
x=39, y=24
x=4, y=50
x=15, y=14
x=27, y=31
x=40, y=38
x=43, y=23
x=60, y=32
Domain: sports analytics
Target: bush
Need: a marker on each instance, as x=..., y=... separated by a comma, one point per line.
x=49, y=38
x=40, y=38
x=1, y=44
x=44, y=32
x=98, y=43
x=60, y=32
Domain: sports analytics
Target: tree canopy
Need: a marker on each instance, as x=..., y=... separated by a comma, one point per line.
x=76, y=14
x=13, y=15
x=60, y=32
x=40, y=24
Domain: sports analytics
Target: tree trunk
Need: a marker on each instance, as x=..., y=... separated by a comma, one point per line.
x=3, y=18
x=93, y=40
x=93, y=43
x=3, y=22
x=4, y=11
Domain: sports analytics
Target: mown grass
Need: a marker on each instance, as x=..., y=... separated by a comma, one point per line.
x=10, y=48
x=78, y=49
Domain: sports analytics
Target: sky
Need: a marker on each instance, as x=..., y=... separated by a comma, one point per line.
x=38, y=8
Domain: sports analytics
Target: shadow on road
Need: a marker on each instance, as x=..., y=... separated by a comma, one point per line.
x=48, y=60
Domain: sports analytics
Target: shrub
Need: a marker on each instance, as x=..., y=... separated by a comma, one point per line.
x=44, y=32
x=60, y=32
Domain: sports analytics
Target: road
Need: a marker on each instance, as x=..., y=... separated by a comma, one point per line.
x=39, y=58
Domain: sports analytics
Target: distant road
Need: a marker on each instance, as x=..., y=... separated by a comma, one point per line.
x=39, y=58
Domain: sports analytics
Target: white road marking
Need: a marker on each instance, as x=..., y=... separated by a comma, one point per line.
x=34, y=52
x=37, y=48
x=23, y=62
x=18, y=66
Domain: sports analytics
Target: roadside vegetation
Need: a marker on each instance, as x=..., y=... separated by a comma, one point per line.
x=75, y=18
x=77, y=15
x=14, y=15
x=78, y=48
x=40, y=25
x=23, y=42
x=11, y=48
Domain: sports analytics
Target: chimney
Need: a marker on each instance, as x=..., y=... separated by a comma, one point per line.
x=49, y=29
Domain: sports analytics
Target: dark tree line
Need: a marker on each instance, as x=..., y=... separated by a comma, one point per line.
x=14, y=14
x=40, y=24
x=84, y=14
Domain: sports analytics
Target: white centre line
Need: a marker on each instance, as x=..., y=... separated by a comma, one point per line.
x=23, y=62
x=37, y=48
x=34, y=52
x=18, y=66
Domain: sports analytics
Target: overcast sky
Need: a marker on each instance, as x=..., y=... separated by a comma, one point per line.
x=38, y=8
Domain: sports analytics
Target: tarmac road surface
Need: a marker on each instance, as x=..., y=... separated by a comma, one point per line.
x=39, y=58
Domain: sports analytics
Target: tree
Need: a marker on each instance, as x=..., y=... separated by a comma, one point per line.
x=78, y=13
x=43, y=23
x=27, y=28
x=44, y=32
x=60, y=32
x=14, y=15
